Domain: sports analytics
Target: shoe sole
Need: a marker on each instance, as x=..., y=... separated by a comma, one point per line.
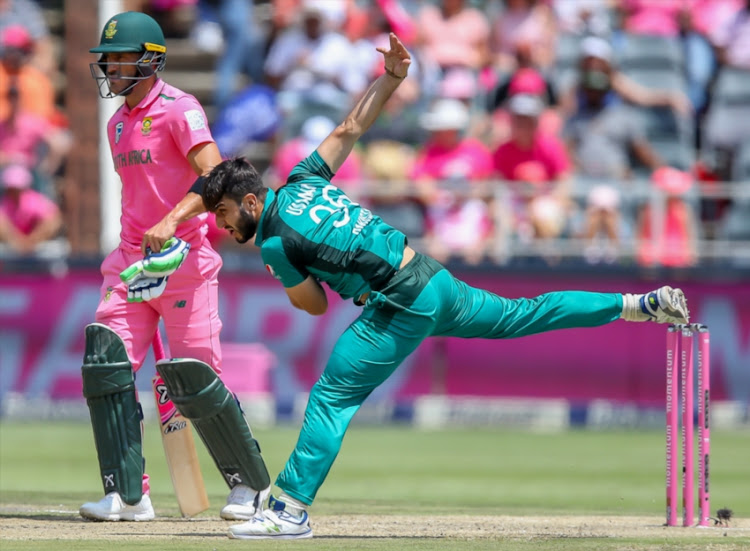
x=141, y=517
x=234, y=516
x=138, y=518
x=305, y=535
x=237, y=512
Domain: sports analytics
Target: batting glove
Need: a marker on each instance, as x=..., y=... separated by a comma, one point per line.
x=146, y=288
x=158, y=265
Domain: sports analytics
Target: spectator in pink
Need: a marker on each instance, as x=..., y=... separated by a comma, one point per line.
x=460, y=83
x=672, y=240
x=525, y=24
x=314, y=131
x=667, y=17
x=24, y=134
x=448, y=171
x=454, y=34
x=529, y=81
x=28, y=219
x=710, y=16
x=538, y=165
x=399, y=20
x=649, y=17
x=732, y=39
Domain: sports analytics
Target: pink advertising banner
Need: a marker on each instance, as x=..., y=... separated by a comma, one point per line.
x=42, y=320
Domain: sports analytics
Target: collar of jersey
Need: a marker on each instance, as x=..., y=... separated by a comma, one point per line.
x=270, y=196
x=150, y=98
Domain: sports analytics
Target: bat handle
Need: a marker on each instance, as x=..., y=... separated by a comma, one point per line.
x=158, y=346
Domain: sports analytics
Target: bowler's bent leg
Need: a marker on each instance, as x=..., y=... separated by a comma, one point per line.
x=366, y=354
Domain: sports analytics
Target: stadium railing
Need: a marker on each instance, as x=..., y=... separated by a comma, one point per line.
x=723, y=241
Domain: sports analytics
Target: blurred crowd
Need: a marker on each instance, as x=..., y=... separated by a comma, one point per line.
x=618, y=125
x=34, y=135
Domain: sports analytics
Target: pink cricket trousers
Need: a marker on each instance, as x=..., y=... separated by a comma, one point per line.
x=189, y=307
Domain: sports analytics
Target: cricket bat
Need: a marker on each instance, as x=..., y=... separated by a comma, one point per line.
x=179, y=447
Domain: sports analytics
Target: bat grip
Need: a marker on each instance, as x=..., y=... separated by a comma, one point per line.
x=158, y=346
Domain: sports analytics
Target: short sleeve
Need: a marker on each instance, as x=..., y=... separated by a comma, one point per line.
x=278, y=264
x=481, y=160
x=558, y=157
x=503, y=162
x=313, y=165
x=188, y=125
x=44, y=207
x=419, y=168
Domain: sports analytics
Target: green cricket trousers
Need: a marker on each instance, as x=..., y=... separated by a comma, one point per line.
x=422, y=299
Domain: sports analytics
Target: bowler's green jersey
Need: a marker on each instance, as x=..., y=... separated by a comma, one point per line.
x=310, y=227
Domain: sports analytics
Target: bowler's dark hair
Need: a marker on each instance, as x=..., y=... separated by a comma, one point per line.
x=233, y=178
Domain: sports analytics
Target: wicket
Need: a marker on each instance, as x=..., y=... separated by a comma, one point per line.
x=680, y=348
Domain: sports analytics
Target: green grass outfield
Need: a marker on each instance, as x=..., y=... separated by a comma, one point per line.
x=48, y=469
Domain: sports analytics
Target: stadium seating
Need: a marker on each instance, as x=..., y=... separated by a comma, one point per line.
x=637, y=51
x=566, y=62
x=670, y=134
x=735, y=225
x=741, y=163
x=726, y=120
x=732, y=87
x=659, y=79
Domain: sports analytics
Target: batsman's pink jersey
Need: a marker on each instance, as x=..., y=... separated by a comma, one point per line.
x=150, y=144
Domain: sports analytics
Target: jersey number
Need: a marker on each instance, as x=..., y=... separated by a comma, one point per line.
x=339, y=204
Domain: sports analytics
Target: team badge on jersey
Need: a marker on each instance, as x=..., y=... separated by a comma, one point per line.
x=146, y=126
x=118, y=131
x=270, y=270
x=195, y=119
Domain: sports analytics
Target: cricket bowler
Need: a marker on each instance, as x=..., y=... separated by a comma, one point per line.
x=310, y=232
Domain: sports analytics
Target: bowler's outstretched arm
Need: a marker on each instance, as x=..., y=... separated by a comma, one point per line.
x=337, y=146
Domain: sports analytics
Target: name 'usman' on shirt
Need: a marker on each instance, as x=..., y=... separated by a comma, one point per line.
x=304, y=196
x=133, y=157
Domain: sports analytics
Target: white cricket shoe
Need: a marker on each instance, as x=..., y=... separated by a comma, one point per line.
x=664, y=305
x=274, y=523
x=111, y=507
x=243, y=502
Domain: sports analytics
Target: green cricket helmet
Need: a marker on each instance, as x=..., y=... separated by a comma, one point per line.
x=128, y=32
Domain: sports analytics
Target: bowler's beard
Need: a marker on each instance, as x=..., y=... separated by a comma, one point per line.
x=246, y=226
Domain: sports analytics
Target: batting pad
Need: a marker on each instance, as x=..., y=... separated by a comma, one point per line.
x=109, y=389
x=201, y=396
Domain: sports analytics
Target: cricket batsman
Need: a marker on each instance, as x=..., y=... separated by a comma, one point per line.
x=164, y=267
x=310, y=232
